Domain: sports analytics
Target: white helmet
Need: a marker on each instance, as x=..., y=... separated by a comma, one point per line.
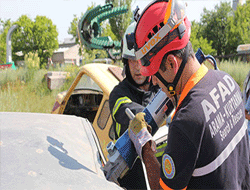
x=126, y=53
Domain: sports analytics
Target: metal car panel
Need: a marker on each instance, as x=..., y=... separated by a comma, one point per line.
x=102, y=76
x=103, y=132
x=47, y=151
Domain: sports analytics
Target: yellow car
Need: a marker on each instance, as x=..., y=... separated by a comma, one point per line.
x=88, y=97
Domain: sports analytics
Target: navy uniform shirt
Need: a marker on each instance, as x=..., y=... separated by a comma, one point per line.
x=207, y=140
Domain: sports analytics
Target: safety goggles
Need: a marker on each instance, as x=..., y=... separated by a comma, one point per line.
x=174, y=16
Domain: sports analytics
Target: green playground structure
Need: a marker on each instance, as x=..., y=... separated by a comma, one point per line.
x=89, y=29
x=8, y=65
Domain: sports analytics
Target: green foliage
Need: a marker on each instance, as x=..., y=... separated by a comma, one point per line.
x=38, y=84
x=225, y=28
x=242, y=22
x=72, y=72
x=45, y=38
x=214, y=26
x=32, y=64
x=32, y=61
x=239, y=28
x=16, y=97
x=10, y=76
x=120, y=23
x=19, y=92
x=35, y=36
x=90, y=55
x=22, y=37
x=107, y=31
x=73, y=29
x=237, y=69
x=199, y=42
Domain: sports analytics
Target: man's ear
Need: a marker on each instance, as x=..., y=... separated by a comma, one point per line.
x=172, y=63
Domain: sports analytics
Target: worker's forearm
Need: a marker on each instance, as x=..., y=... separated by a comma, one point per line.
x=247, y=115
x=152, y=166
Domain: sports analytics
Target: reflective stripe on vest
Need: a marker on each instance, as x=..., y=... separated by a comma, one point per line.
x=122, y=100
x=118, y=103
x=223, y=156
x=160, y=149
x=118, y=128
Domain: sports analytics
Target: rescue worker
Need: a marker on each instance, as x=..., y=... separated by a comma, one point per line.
x=207, y=146
x=134, y=92
x=247, y=108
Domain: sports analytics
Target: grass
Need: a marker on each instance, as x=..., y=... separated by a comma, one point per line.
x=237, y=69
x=26, y=90
x=17, y=97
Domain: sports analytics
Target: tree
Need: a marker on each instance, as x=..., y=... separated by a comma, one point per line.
x=120, y=23
x=45, y=38
x=242, y=21
x=1, y=26
x=39, y=36
x=73, y=29
x=215, y=26
x=239, y=28
x=199, y=42
x=22, y=37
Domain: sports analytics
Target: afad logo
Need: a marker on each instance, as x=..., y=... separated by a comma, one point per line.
x=168, y=166
x=150, y=44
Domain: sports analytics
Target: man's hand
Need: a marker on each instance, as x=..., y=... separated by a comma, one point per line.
x=139, y=134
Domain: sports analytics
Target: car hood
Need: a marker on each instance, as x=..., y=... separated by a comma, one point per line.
x=47, y=151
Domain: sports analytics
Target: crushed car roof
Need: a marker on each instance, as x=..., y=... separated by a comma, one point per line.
x=47, y=151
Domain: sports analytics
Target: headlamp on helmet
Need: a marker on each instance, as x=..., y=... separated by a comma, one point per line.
x=130, y=40
x=127, y=52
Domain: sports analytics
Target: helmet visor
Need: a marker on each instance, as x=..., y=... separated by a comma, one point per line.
x=175, y=12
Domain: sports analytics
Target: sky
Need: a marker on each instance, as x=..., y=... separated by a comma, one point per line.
x=62, y=12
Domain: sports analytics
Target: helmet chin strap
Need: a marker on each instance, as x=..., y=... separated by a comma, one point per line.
x=171, y=86
x=147, y=81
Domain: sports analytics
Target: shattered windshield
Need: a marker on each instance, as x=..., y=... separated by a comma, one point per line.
x=87, y=83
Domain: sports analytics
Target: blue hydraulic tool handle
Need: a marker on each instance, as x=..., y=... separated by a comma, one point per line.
x=155, y=114
x=201, y=58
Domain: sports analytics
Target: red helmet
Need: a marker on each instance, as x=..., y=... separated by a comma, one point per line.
x=162, y=27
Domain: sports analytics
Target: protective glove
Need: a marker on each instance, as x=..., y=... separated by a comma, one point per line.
x=139, y=133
